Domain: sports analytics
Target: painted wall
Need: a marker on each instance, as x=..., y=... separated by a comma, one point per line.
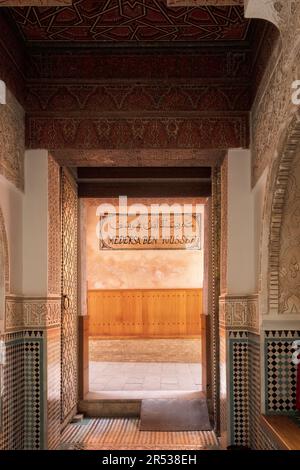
x=133, y=269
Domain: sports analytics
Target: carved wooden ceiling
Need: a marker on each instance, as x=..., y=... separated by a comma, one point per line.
x=130, y=21
x=133, y=82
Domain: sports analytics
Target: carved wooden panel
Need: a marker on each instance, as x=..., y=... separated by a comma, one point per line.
x=69, y=386
x=131, y=21
x=54, y=229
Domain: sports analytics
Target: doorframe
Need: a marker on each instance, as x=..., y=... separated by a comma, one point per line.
x=210, y=317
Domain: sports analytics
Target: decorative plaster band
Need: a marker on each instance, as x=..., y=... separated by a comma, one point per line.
x=32, y=312
x=239, y=312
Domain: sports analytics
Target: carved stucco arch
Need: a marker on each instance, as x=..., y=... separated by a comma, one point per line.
x=274, y=204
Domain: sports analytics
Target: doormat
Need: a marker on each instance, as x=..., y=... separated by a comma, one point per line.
x=174, y=415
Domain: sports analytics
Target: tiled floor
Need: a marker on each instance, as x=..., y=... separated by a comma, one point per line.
x=124, y=434
x=144, y=376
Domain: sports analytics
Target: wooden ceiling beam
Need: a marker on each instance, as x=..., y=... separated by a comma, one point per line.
x=144, y=189
x=143, y=172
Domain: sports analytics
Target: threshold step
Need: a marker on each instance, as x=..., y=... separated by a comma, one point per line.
x=110, y=408
x=126, y=403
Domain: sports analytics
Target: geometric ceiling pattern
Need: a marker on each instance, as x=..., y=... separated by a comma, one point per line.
x=131, y=21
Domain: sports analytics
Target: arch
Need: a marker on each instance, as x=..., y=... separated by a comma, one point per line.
x=268, y=10
x=275, y=196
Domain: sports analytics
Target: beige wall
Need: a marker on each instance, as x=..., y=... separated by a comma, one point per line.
x=35, y=223
x=240, y=267
x=132, y=269
x=258, y=207
x=11, y=200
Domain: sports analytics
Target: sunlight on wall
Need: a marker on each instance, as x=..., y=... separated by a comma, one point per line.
x=133, y=269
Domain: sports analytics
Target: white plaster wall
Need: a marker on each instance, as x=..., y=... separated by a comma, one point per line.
x=35, y=223
x=11, y=202
x=258, y=194
x=241, y=265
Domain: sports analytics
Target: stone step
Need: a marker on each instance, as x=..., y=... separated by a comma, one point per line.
x=127, y=408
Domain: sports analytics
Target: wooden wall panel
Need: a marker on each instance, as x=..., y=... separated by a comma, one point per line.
x=148, y=313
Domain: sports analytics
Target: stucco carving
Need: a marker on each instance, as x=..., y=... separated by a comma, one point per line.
x=289, y=258
x=239, y=312
x=274, y=207
x=273, y=108
x=12, y=134
x=32, y=312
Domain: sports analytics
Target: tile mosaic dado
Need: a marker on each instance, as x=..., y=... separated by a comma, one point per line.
x=280, y=372
x=258, y=439
x=31, y=399
x=34, y=399
x=223, y=383
x=12, y=401
x=239, y=387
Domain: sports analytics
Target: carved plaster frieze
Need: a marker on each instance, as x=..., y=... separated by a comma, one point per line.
x=32, y=312
x=239, y=312
x=13, y=314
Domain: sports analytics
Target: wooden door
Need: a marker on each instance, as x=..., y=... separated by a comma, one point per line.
x=69, y=344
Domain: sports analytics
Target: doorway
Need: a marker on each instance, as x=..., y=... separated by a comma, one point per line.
x=144, y=303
